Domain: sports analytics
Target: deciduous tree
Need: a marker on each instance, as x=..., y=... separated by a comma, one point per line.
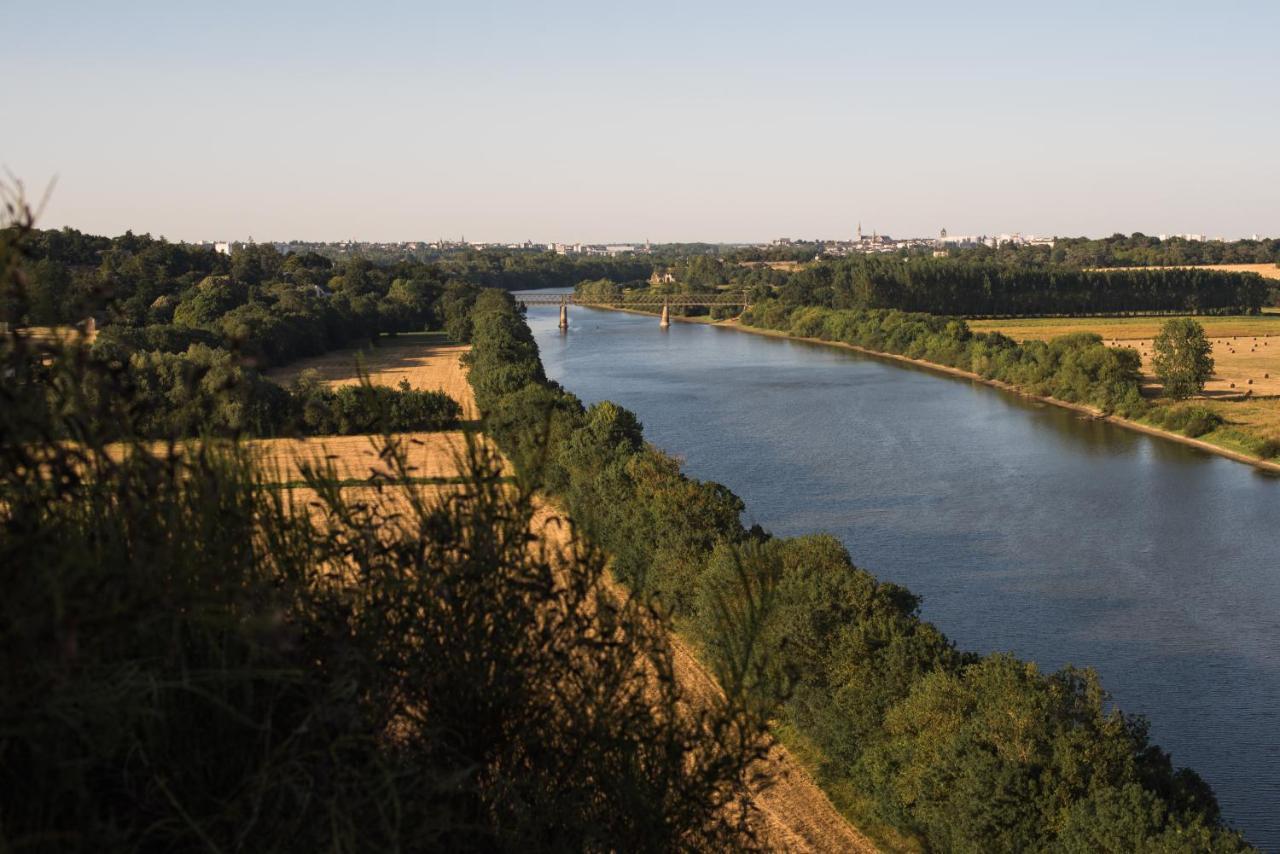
x=1183, y=358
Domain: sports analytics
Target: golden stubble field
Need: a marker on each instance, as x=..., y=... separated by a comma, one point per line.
x=1267, y=271
x=427, y=362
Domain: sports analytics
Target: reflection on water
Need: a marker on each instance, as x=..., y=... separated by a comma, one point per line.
x=1026, y=527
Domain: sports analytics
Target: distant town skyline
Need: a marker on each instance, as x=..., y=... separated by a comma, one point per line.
x=714, y=122
x=949, y=237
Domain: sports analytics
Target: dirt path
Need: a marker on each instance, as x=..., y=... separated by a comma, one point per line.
x=795, y=814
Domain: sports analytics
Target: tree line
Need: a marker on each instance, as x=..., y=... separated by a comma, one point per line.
x=984, y=288
x=1135, y=250
x=271, y=308
x=963, y=752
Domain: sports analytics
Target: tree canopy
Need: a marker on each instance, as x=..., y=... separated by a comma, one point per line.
x=1183, y=358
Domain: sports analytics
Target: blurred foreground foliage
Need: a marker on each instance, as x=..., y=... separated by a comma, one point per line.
x=193, y=658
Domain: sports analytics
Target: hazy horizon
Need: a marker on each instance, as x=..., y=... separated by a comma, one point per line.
x=723, y=123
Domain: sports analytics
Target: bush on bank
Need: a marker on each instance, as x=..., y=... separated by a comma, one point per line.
x=968, y=753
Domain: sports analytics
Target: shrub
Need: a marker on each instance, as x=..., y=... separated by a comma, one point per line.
x=1268, y=448
x=365, y=408
x=1192, y=421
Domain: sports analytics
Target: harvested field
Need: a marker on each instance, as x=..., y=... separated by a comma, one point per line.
x=63, y=334
x=430, y=455
x=1244, y=389
x=1241, y=364
x=426, y=359
x=390, y=500
x=1246, y=349
x=1268, y=271
x=1127, y=329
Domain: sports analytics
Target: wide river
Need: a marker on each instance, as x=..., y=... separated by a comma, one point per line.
x=1025, y=527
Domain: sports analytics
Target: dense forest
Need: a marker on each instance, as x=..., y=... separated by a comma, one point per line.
x=526, y=271
x=965, y=752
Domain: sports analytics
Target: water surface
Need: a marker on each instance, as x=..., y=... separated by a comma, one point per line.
x=1025, y=527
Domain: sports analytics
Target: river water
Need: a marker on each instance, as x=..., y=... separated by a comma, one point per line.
x=1026, y=527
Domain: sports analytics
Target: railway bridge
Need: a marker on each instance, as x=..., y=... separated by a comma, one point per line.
x=665, y=302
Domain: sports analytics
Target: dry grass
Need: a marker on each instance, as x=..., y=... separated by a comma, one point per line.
x=430, y=455
x=1252, y=417
x=795, y=815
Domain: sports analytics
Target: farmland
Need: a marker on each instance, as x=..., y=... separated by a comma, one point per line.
x=1244, y=389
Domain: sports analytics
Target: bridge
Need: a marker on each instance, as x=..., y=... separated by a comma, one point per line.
x=638, y=301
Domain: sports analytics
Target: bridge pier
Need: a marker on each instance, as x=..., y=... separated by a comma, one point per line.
x=564, y=317
x=666, y=316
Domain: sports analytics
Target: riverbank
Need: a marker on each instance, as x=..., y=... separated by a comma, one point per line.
x=1092, y=412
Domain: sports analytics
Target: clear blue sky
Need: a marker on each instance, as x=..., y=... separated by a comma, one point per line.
x=673, y=121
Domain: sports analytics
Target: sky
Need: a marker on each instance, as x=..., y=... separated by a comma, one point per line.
x=672, y=121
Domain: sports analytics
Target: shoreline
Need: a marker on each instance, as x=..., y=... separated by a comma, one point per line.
x=1128, y=423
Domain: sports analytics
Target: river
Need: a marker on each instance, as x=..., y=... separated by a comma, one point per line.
x=1025, y=527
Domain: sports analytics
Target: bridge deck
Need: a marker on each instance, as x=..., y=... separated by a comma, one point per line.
x=656, y=301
